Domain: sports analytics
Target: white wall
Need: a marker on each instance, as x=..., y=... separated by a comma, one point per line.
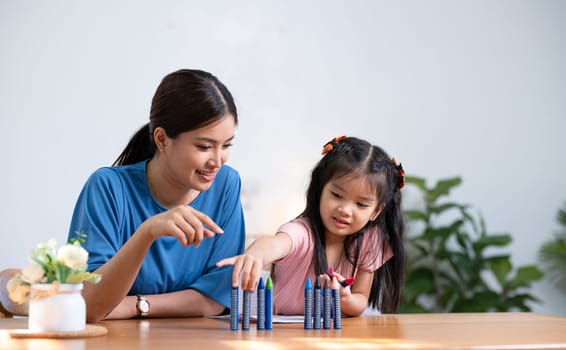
x=470, y=88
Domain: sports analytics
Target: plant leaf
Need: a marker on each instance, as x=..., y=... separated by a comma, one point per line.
x=439, y=209
x=443, y=188
x=83, y=277
x=443, y=231
x=524, y=276
x=501, y=267
x=492, y=240
x=419, y=182
x=552, y=255
x=517, y=302
x=416, y=215
x=561, y=216
x=480, y=302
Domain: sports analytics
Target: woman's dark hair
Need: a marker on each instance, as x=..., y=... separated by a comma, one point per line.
x=358, y=158
x=185, y=100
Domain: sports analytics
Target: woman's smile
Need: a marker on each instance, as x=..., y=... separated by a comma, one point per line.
x=206, y=176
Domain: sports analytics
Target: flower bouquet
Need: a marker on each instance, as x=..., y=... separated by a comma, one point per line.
x=52, y=282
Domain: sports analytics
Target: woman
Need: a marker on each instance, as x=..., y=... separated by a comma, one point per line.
x=169, y=208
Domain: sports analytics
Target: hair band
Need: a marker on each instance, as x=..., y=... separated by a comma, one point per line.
x=329, y=146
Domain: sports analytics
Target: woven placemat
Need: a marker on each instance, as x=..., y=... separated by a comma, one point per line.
x=89, y=331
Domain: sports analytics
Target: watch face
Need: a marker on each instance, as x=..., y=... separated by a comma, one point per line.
x=143, y=305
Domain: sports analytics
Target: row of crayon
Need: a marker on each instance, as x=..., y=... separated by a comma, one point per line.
x=264, y=307
x=321, y=306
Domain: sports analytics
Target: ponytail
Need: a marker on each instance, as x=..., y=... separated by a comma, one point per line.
x=141, y=147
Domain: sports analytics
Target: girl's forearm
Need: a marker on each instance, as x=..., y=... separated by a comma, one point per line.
x=269, y=249
x=353, y=304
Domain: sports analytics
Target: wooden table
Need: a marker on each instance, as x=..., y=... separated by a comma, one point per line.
x=423, y=331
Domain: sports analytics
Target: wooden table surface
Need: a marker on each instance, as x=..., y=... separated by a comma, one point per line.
x=404, y=331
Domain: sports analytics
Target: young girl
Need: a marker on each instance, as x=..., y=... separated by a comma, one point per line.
x=352, y=222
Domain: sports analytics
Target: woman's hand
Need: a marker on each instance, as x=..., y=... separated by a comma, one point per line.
x=188, y=225
x=248, y=265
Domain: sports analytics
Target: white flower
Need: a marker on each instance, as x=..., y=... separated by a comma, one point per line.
x=33, y=272
x=44, y=248
x=18, y=290
x=68, y=264
x=73, y=256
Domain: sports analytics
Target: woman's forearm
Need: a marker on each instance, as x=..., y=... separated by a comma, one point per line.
x=186, y=303
x=118, y=275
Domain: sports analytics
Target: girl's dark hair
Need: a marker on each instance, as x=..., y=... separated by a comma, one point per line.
x=358, y=158
x=185, y=100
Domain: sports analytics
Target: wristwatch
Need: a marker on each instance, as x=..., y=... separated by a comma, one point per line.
x=142, y=305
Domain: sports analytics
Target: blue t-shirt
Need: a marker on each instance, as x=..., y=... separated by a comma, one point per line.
x=115, y=201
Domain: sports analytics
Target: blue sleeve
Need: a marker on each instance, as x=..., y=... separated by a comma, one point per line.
x=215, y=282
x=97, y=214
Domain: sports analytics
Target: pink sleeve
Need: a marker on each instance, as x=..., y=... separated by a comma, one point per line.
x=301, y=241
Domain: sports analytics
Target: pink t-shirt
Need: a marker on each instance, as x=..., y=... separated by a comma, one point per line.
x=292, y=271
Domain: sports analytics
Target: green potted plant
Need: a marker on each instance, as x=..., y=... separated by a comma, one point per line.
x=552, y=254
x=454, y=264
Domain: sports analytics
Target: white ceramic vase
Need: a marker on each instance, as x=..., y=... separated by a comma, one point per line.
x=56, y=308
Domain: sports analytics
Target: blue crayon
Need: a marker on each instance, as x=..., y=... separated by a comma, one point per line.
x=260, y=305
x=337, y=309
x=308, y=304
x=268, y=303
x=246, y=310
x=317, y=304
x=234, y=310
x=326, y=302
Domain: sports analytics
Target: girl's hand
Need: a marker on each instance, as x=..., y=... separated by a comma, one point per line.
x=188, y=225
x=248, y=265
x=335, y=283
